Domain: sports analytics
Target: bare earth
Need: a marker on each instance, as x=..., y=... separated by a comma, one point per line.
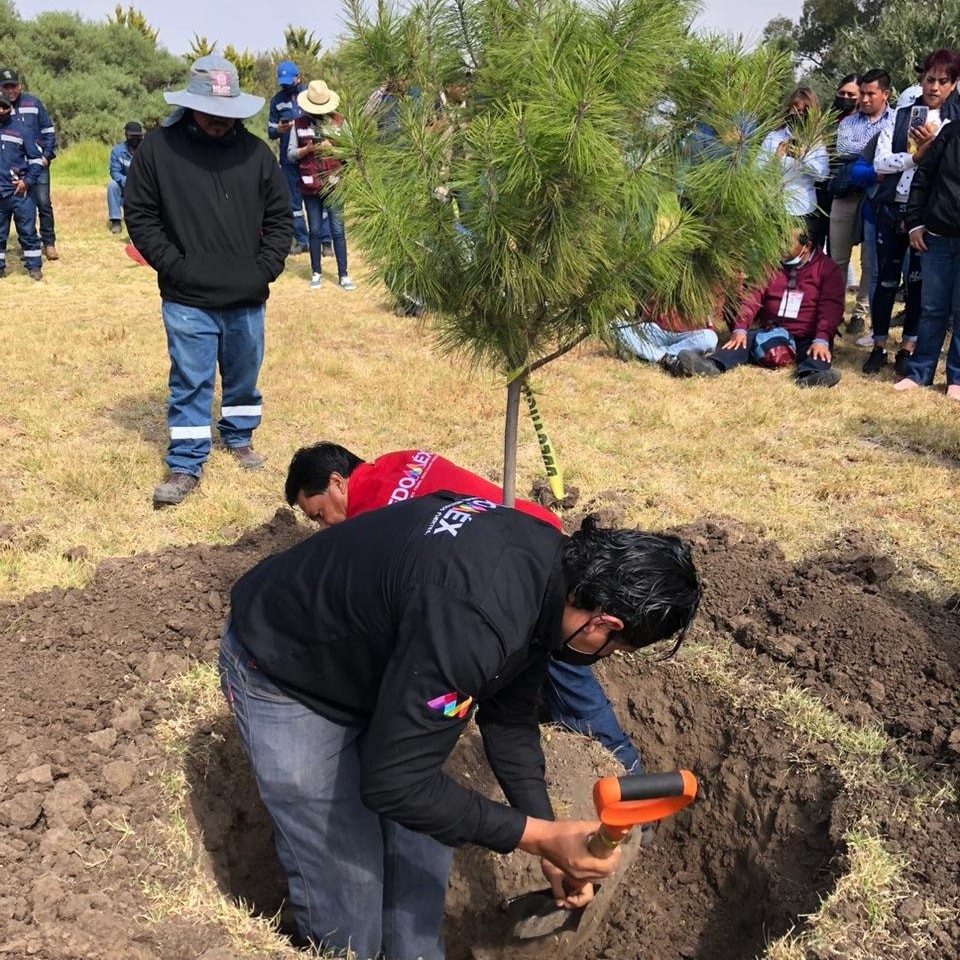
x=83, y=770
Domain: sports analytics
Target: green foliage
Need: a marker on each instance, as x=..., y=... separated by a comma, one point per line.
x=133, y=19
x=837, y=37
x=92, y=77
x=200, y=47
x=246, y=64
x=300, y=45
x=564, y=169
x=906, y=31
x=85, y=162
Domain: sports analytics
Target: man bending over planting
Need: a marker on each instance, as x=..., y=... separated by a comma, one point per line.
x=354, y=661
x=330, y=484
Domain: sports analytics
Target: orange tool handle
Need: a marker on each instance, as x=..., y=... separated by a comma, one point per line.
x=625, y=802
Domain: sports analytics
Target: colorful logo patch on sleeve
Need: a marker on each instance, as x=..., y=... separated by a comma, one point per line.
x=450, y=705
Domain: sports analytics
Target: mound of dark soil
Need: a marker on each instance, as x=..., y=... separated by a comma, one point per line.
x=82, y=774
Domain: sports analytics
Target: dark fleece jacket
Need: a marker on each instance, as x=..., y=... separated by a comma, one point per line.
x=210, y=215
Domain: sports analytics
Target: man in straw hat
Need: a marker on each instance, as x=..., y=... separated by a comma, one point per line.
x=207, y=206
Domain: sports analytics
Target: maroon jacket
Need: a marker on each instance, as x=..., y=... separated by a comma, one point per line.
x=821, y=310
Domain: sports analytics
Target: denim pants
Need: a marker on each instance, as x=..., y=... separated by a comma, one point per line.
x=114, y=201
x=577, y=701
x=940, y=301
x=891, y=246
x=354, y=878
x=291, y=174
x=649, y=341
x=316, y=205
x=40, y=193
x=23, y=212
x=868, y=263
x=198, y=340
x=728, y=359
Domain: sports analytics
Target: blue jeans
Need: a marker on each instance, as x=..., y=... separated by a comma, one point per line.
x=23, y=211
x=577, y=701
x=40, y=194
x=316, y=205
x=940, y=300
x=291, y=174
x=114, y=201
x=892, y=245
x=868, y=258
x=354, y=879
x=649, y=341
x=199, y=340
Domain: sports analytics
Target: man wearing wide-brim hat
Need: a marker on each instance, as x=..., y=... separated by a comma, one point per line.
x=206, y=205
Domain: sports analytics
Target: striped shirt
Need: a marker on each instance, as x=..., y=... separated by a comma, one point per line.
x=856, y=131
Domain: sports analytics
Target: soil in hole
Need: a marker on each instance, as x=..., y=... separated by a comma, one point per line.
x=81, y=769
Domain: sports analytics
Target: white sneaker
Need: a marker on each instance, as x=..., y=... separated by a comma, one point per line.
x=346, y=283
x=315, y=281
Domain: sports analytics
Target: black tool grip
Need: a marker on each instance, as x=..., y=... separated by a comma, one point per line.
x=651, y=786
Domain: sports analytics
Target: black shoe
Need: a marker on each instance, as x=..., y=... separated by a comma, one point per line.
x=175, y=489
x=876, y=360
x=670, y=364
x=855, y=324
x=35, y=274
x=3, y=273
x=819, y=378
x=326, y=249
x=694, y=364
x=115, y=226
x=900, y=361
x=297, y=249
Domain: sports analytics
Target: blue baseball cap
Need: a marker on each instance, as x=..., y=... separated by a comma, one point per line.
x=287, y=72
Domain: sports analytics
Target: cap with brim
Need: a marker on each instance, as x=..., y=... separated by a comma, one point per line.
x=287, y=72
x=133, y=129
x=318, y=99
x=9, y=76
x=214, y=88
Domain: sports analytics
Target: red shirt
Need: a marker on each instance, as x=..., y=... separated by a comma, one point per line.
x=415, y=473
x=821, y=310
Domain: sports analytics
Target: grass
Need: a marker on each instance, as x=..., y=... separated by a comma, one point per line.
x=82, y=424
x=82, y=164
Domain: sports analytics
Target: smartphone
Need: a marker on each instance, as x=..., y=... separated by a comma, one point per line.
x=918, y=116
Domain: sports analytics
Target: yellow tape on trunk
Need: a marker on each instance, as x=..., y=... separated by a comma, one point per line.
x=550, y=462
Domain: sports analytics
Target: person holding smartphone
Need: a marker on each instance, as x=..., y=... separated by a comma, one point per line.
x=903, y=143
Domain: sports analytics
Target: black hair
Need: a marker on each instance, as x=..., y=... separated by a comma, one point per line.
x=877, y=76
x=850, y=78
x=945, y=58
x=647, y=580
x=310, y=468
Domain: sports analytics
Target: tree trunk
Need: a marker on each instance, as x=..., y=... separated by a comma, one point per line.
x=510, y=441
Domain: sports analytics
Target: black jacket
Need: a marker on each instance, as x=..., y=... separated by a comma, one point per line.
x=211, y=216
x=935, y=192
x=380, y=619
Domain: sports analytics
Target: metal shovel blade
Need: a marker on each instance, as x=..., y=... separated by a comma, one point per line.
x=534, y=914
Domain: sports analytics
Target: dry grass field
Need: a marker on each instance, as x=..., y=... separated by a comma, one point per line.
x=83, y=371
x=82, y=424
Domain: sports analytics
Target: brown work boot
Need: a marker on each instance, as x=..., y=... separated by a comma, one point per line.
x=50, y=252
x=175, y=489
x=246, y=457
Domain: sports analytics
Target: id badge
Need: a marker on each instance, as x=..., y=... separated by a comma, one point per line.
x=790, y=305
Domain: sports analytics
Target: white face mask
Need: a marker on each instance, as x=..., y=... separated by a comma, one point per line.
x=793, y=261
